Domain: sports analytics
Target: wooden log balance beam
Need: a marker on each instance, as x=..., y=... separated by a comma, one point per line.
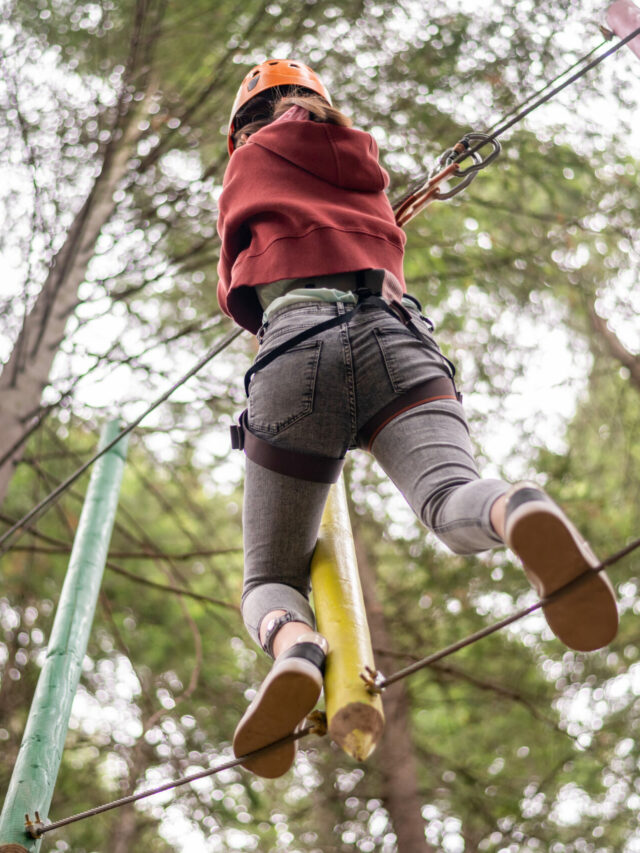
x=354, y=716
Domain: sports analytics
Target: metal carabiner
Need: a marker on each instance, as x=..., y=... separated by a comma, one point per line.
x=447, y=168
x=468, y=147
x=459, y=153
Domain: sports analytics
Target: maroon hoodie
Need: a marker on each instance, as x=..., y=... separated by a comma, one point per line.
x=299, y=199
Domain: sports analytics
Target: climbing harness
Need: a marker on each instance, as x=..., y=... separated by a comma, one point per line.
x=326, y=469
x=302, y=466
x=309, y=466
x=374, y=680
x=404, y=202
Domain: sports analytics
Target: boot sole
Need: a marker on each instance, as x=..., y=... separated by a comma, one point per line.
x=585, y=618
x=286, y=696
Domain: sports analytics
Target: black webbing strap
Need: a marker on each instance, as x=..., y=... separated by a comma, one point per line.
x=293, y=463
x=294, y=341
x=438, y=388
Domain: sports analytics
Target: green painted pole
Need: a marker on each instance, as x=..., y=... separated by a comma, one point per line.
x=34, y=775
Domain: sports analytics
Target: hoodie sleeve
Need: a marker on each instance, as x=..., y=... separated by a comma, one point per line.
x=235, y=234
x=234, y=207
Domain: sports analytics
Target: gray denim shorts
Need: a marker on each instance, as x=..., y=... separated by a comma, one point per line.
x=315, y=398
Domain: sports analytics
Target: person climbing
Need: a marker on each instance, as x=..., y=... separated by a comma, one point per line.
x=312, y=263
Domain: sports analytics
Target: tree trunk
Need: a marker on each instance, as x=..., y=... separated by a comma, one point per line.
x=124, y=831
x=396, y=759
x=126, y=828
x=26, y=373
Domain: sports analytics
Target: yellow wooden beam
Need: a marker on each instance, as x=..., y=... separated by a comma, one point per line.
x=354, y=716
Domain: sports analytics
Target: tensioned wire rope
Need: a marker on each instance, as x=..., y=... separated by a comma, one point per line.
x=548, y=84
x=47, y=501
x=317, y=726
x=376, y=682
x=504, y=126
x=517, y=114
x=316, y=723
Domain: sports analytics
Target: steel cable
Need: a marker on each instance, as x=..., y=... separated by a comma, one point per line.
x=542, y=100
x=318, y=725
x=8, y=534
x=506, y=122
x=47, y=501
x=38, y=829
x=377, y=682
x=546, y=86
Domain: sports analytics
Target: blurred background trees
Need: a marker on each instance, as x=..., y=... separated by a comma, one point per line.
x=112, y=151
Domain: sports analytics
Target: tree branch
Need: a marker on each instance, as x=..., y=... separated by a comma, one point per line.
x=614, y=345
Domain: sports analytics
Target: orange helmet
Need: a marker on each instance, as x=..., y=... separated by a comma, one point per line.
x=268, y=75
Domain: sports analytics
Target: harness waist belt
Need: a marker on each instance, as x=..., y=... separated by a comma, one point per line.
x=365, y=297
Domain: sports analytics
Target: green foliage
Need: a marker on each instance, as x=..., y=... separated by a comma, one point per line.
x=520, y=744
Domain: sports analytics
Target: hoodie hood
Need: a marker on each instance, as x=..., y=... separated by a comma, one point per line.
x=341, y=156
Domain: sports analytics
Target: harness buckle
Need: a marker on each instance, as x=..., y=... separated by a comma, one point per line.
x=237, y=433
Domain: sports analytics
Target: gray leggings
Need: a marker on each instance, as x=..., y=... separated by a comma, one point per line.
x=314, y=398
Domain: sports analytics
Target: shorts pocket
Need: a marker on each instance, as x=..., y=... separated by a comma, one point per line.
x=409, y=361
x=283, y=392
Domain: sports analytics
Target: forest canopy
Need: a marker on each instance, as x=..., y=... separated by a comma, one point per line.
x=113, y=119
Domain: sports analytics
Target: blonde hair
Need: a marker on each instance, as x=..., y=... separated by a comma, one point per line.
x=267, y=110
